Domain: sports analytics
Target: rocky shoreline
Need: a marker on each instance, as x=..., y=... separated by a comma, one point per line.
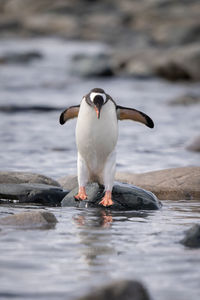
x=28, y=188
x=146, y=38
x=170, y=184
x=130, y=192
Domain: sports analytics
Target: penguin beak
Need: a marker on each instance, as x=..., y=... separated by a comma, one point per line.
x=97, y=109
x=98, y=102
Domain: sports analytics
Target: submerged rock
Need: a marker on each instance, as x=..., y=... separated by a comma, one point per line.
x=192, y=237
x=32, y=193
x=36, y=219
x=125, y=197
x=120, y=290
x=26, y=177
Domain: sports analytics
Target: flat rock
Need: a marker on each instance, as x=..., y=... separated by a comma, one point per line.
x=26, y=177
x=168, y=184
x=68, y=182
x=120, y=290
x=125, y=197
x=32, y=193
x=36, y=219
x=192, y=237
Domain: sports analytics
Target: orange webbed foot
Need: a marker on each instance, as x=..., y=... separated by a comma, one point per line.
x=107, y=200
x=81, y=194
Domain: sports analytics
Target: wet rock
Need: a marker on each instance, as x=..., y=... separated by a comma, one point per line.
x=19, y=58
x=125, y=197
x=180, y=64
x=192, y=237
x=194, y=145
x=38, y=219
x=26, y=177
x=32, y=193
x=68, y=182
x=168, y=184
x=120, y=290
x=91, y=65
x=186, y=100
x=46, y=197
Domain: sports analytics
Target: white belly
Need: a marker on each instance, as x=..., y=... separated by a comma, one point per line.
x=96, y=138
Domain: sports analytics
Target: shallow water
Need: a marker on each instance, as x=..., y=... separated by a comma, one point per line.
x=90, y=247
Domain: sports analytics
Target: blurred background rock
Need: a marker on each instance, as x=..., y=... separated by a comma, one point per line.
x=148, y=37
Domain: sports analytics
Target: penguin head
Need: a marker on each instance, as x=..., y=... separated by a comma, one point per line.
x=97, y=98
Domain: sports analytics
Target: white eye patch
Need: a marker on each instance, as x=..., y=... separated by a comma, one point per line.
x=93, y=95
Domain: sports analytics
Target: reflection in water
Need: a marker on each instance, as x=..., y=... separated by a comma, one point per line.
x=103, y=218
x=95, y=232
x=96, y=241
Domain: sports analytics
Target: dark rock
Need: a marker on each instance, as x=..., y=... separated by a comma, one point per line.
x=125, y=196
x=192, y=237
x=28, y=108
x=10, y=25
x=19, y=58
x=32, y=193
x=182, y=63
x=38, y=219
x=26, y=177
x=194, y=145
x=46, y=197
x=188, y=99
x=120, y=290
x=91, y=65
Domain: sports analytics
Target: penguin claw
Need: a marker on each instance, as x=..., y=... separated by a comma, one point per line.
x=81, y=194
x=107, y=200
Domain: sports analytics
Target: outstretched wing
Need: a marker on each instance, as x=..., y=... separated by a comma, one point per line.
x=69, y=113
x=126, y=113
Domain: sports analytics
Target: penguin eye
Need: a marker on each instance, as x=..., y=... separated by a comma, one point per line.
x=94, y=96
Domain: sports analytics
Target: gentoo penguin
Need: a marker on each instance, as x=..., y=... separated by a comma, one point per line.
x=96, y=138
